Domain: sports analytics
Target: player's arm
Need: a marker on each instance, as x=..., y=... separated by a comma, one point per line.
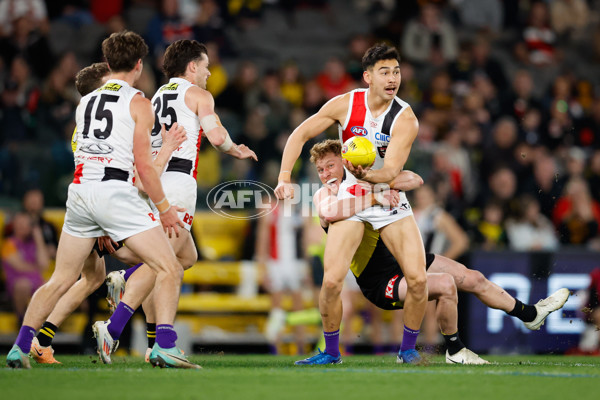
x=333, y=111
x=143, y=115
x=171, y=140
x=211, y=125
x=406, y=181
x=403, y=135
x=331, y=209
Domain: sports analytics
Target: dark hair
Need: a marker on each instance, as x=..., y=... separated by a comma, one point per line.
x=321, y=149
x=379, y=52
x=122, y=50
x=90, y=77
x=179, y=54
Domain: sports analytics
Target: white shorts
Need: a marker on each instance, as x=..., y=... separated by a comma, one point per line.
x=377, y=216
x=286, y=274
x=181, y=190
x=111, y=208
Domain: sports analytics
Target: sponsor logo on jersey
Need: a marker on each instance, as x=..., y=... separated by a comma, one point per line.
x=113, y=87
x=170, y=86
x=381, y=150
x=359, y=131
x=156, y=143
x=96, y=148
x=389, y=289
x=242, y=199
x=382, y=138
x=373, y=124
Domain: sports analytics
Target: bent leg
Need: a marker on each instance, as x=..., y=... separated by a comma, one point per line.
x=71, y=254
x=403, y=240
x=342, y=241
x=472, y=281
x=92, y=276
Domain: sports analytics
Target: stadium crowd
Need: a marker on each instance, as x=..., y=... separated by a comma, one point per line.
x=507, y=94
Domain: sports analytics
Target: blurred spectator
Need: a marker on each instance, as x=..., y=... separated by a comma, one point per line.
x=409, y=89
x=168, y=26
x=588, y=128
x=271, y=101
x=500, y=152
x=574, y=165
x=545, y=185
x=33, y=10
x=520, y=98
x=314, y=97
x=333, y=79
x=531, y=231
x=24, y=259
x=593, y=175
x=576, y=214
x=569, y=17
x=33, y=205
x=218, y=79
x=590, y=338
x=244, y=82
x=356, y=49
x=539, y=39
x=58, y=101
x=31, y=44
x=480, y=15
x=429, y=39
x=292, y=84
x=490, y=233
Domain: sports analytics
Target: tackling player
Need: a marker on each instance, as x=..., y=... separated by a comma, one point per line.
x=380, y=277
x=390, y=124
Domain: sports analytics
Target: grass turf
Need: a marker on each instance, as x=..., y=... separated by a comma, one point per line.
x=275, y=377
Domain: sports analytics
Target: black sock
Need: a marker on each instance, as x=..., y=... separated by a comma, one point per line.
x=46, y=334
x=151, y=334
x=525, y=312
x=453, y=343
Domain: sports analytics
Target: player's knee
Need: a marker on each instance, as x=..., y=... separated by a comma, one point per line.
x=417, y=284
x=94, y=280
x=332, y=285
x=189, y=258
x=448, y=287
x=475, y=281
x=60, y=286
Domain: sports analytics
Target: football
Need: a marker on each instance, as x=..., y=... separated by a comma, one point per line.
x=359, y=151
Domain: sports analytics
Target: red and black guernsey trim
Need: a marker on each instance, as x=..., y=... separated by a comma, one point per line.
x=357, y=115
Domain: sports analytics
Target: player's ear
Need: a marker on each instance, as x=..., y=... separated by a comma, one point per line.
x=367, y=77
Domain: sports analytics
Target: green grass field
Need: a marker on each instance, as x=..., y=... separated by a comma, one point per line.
x=275, y=377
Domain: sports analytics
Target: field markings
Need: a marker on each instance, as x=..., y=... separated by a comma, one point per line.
x=462, y=372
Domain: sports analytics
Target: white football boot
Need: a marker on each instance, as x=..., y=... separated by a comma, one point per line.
x=465, y=356
x=546, y=306
x=115, y=282
x=106, y=344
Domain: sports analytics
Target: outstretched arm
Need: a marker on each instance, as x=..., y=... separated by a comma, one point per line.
x=333, y=111
x=211, y=125
x=331, y=209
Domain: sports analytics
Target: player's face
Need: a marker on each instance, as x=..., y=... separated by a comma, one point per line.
x=330, y=169
x=202, y=72
x=384, y=79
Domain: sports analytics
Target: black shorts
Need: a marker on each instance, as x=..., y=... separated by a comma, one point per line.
x=380, y=278
x=104, y=252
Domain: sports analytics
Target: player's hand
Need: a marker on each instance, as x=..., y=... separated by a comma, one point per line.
x=387, y=198
x=284, y=190
x=170, y=220
x=173, y=138
x=241, y=151
x=359, y=172
x=105, y=242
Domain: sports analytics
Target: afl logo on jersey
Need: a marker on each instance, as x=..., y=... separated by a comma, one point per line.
x=96, y=148
x=359, y=131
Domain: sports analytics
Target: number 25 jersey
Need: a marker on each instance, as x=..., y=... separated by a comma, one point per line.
x=105, y=134
x=170, y=107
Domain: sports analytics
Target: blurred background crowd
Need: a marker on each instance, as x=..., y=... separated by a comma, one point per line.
x=507, y=94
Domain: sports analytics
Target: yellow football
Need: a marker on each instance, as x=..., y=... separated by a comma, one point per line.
x=359, y=151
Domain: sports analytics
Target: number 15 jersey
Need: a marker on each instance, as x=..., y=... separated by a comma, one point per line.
x=105, y=134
